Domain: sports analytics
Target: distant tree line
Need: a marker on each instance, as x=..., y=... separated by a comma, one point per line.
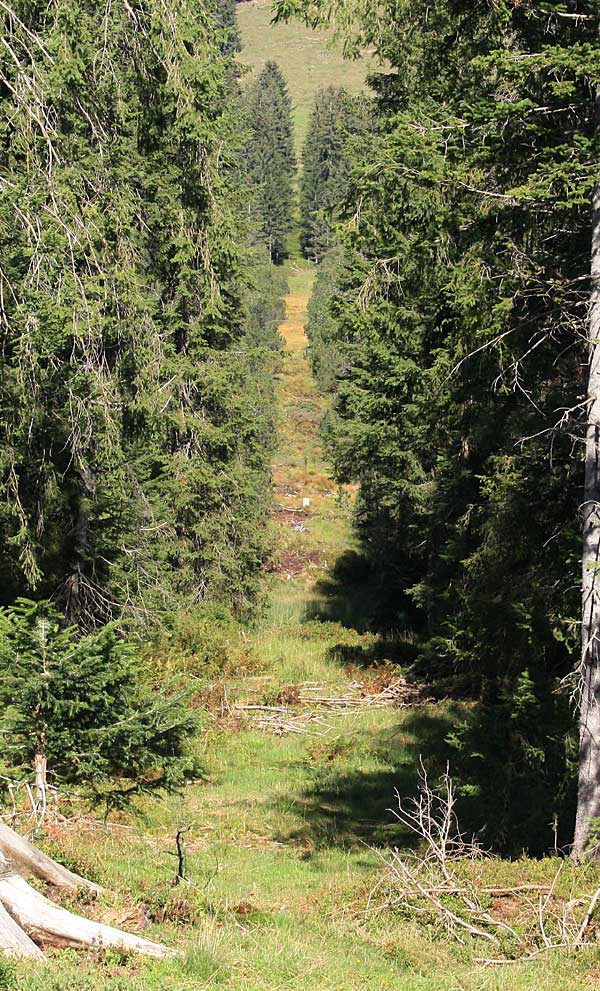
x=336, y=119
x=269, y=162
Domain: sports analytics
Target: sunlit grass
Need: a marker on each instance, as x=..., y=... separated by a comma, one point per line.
x=280, y=869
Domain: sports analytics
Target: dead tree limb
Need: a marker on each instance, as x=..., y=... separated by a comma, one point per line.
x=50, y=925
x=13, y=941
x=589, y=915
x=29, y=861
x=28, y=918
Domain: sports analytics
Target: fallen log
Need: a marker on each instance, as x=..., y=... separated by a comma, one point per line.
x=13, y=941
x=50, y=925
x=28, y=918
x=29, y=861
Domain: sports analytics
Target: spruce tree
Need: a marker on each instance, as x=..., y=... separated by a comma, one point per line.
x=326, y=164
x=75, y=712
x=461, y=315
x=226, y=19
x=269, y=161
x=132, y=465
x=326, y=350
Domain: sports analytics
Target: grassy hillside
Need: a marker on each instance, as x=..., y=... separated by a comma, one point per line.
x=307, y=59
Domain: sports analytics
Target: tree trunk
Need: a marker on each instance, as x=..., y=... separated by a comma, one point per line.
x=51, y=925
x=25, y=913
x=29, y=861
x=588, y=800
x=13, y=941
x=40, y=770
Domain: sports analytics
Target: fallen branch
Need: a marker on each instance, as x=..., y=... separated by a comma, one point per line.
x=28, y=918
x=589, y=915
x=508, y=961
x=28, y=860
x=444, y=889
x=50, y=925
x=301, y=723
x=259, y=708
x=423, y=881
x=452, y=919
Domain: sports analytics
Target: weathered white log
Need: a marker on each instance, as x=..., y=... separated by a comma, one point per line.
x=13, y=941
x=51, y=925
x=28, y=860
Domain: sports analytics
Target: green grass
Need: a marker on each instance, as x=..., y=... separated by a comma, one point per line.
x=307, y=59
x=281, y=865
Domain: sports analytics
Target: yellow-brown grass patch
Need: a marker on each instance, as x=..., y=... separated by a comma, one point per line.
x=292, y=328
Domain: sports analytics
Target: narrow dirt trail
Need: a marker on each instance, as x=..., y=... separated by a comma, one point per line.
x=311, y=533
x=293, y=327
x=298, y=463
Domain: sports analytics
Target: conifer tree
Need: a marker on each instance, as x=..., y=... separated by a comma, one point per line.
x=326, y=350
x=461, y=313
x=326, y=163
x=132, y=463
x=269, y=160
x=74, y=710
x=227, y=21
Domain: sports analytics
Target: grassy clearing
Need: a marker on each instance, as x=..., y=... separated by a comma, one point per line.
x=307, y=58
x=280, y=874
x=283, y=852
x=286, y=831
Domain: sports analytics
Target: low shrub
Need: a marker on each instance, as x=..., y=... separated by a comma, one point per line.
x=206, y=643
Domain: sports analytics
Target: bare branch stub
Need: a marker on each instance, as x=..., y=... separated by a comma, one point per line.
x=181, y=856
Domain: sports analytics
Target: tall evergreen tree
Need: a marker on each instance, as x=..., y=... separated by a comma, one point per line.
x=326, y=164
x=326, y=350
x=132, y=462
x=227, y=21
x=269, y=160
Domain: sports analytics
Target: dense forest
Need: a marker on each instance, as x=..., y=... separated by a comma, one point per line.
x=451, y=321
x=421, y=497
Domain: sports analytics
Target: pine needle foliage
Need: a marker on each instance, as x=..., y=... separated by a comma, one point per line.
x=269, y=161
x=133, y=472
x=79, y=703
x=335, y=120
x=460, y=313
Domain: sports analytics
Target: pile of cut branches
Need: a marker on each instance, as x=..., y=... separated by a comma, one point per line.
x=280, y=720
x=397, y=691
x=289, y=715
x=433, y=883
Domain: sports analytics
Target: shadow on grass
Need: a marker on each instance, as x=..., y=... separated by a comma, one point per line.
x=347, y=595
x=353, y=596
x=348, y=807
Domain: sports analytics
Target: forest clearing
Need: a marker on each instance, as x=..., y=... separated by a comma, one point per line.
x=291, y=813
x=298, y=373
